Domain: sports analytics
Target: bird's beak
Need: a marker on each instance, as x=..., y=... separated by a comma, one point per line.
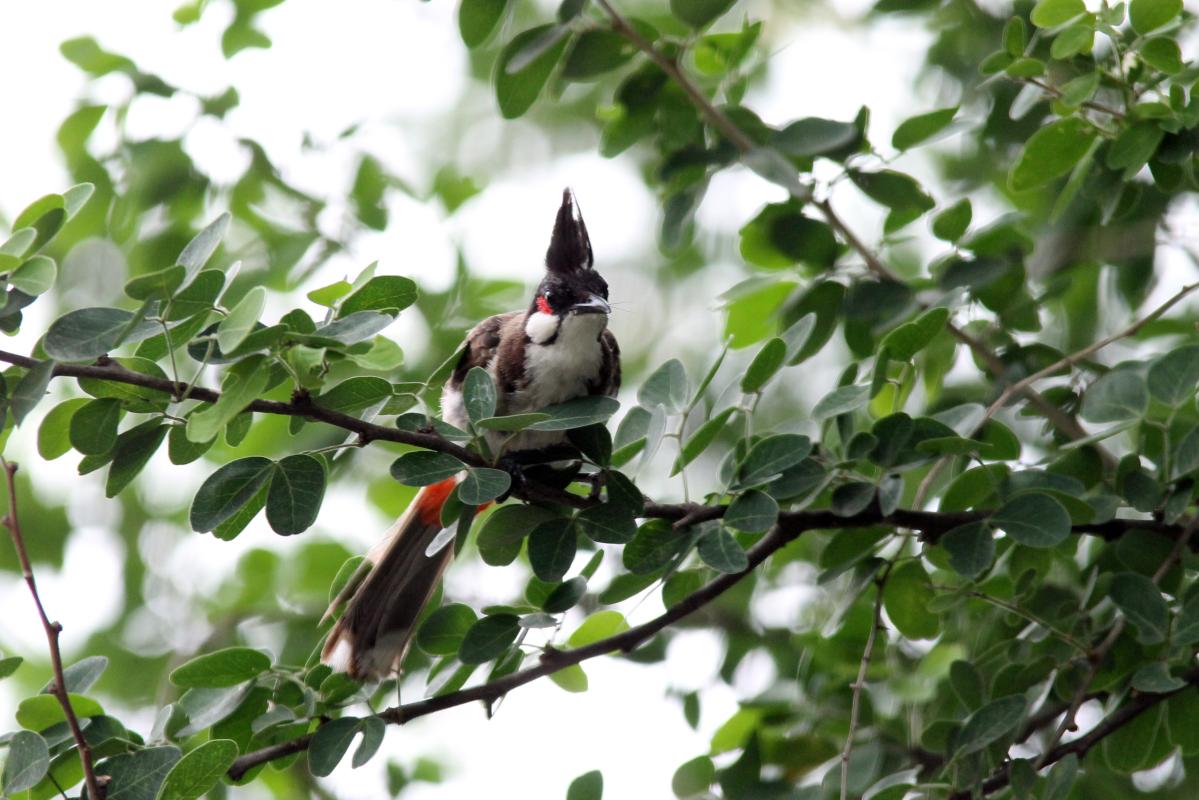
x=594, y=304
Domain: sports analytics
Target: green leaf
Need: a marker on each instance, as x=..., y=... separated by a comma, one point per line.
x=594, y=53
x=814, y=136
x=242, y=384
x=607, y=523
x=82, y=675
x=131, y=452
x=771, y=456
x=221, y=668
x=577, y=413
x=971, y=548
x=227, y=490
x=720, y=551
x=766, y=363
x=199, y=771
x=906, y=596
x=1163, y=54
x=138, y=775
x=197, y=252
x=841, y=400
x=1180, y=720
x=1142, y=603
x=967, y=683
x=36, y=276
x=1052, y=13
x=949, y=225
x=590, y=785
x=350, y=329
x=482, y=485
x=655, y=544
x=1186, y=631
x=27, y=763
x=552, y=548
x=699, y=14
x=666, y=386
x=478, y=18
x=478, y=394
x=156, y=285
x=1034, y=520
x=921, y=127
x=373, y=730
x=701, y=440
x=895, y=190
x=488, y=638
x=752, y=512
x=93, y=428
x=355, y=394
x=43, y=710
x=330, y=743
x=565, y=596
x=442, y=633
x=1050, y=153
x=1119, y=395
x=46, y=215
x=1149, y=15
x=694, y=777
x=1131, y=747
x=425, y=467
x=571, y=678
x=594, y=442
x=505, y=530
x=385, y=293
x=990, y=723
x=9, y=665
x=905, y=341
x=1134, y=146
x=597, y=627
x=295, y=495
x=329, y=295
x=511, y=423
x=30, y=390
x=517, y=89
x=1172, y=378
x=241, y=320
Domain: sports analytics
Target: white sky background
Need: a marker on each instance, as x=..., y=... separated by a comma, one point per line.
x=393, y=65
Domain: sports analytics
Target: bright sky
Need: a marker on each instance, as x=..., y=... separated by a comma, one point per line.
x=394, y=65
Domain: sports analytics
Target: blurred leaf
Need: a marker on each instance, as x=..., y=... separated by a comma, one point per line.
x=752, y=511
x=1050, y=153
x=1149, y=15
x=1141, y=601
x=921, y=127
x=30, y=390
x=906, y=596
x=1117, y=396
x=525, y=65
x=771, y=456
x=597, y=627
x=590, y=785
x=93, y=427
x=478, y=394
x=594, y=53
x=971, y=548
x=576, y=413
x=386, y=293
x=478, y=18
x=989, y=723
x=241, y=320
x=228, y=489
x=720, y=551
x=43, y=710
x=132, y=451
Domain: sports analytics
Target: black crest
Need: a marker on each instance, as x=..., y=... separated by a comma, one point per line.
x=570, y=247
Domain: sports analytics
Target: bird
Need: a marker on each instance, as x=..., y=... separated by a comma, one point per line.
x=556, y=349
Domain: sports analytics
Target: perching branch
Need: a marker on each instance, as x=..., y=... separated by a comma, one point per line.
x=95, y=789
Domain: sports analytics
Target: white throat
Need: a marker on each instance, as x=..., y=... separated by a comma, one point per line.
x=541, y=327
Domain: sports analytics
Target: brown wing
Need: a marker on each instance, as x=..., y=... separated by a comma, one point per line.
x=481, y=345
x=608, y=380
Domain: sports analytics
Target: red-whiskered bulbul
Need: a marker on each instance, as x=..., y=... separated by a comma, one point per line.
x=557, y=349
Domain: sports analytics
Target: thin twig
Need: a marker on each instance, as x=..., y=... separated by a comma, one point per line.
x=1091, y=104
x=860, y=684
x=1089, y=350
x=52, y=629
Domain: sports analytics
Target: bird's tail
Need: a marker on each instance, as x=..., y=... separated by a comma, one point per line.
x=389, y=592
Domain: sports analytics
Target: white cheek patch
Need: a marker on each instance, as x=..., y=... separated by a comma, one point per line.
x=541, y=327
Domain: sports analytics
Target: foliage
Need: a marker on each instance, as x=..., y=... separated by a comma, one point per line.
x=993, y=514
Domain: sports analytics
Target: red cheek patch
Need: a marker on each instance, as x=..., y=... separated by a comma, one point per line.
x=543, y=306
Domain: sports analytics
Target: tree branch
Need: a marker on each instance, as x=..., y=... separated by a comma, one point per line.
x=858, y=685
x=95, y=789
